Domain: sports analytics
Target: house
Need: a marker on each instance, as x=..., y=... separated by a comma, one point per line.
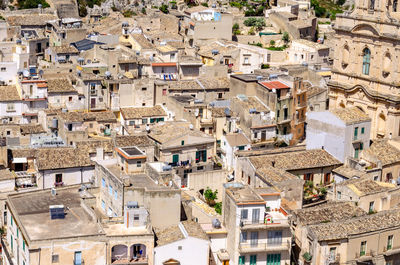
x=34, y=218
x=341, y=132
x=119, y=185
x=62, y=94
x=34, y=94
x=259, y=227
x=62, y=54
x=11, y=105
x=230, y=143
x=371, y=196
x=65, y=31
x=138, y=118
x=175, y=245
x=329, y=214
x=189, y=67
x=303, y=51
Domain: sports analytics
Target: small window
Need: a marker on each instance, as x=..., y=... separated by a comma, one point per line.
x=244, y=214
x=143, y=104
x=8, y=132
x=362, y=130
x=179, y=247
x=339, y=195
x=3, y=69
x=139, y=163
x=376, y=178
x=371, y=207
x=91, y=125
x=54, y=258
x=241, y=147
x=363, y=248
x=69, y=99
x=115, y=195
x=144, y=121
x=103, y=182
x=164, y=92
x=23, y=245
x=144, y=88
x=103, y=205
x=136, y=217
x=389, y=245
x=200, y=168
x=110, y=190
x=182, y=142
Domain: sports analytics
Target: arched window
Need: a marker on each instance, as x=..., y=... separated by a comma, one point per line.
x=366, y=61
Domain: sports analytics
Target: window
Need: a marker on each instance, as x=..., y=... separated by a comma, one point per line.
x=371, y=207
x=362, y=130
x=164, y=92
x=8, y=132
x=136, y=217
x=309, y=177
x=376, y=178
x=366, y=59
x=103, y=205
x=254, y=239
x=355, y=133
x=339, y=195
x=23, y=245
x=91, y=125
x=253, y=259
x=54, y=258
x=244, y=214
x=103, y=182
x=109, y=212
x=255, y=216
x=78, y=258
x=92, y=89
x=242, y=260
x=182, y=142
x=389, y=242
x=58, y=178
x=327, y=178
x=363, y=248
x=246, y=60
x=175, y=158
x=179, y=247
x=243, y=237
x=143, y=104
x=201, y=156
x=394, y=5
x=274, y=238
x=110, y=190
x=356, y=152
x=10, y=107
x=12, y=243
x=144, y=121
x=371, y=5
x=332, y=253
x=241, y=147
x=69, y=99
x=17, y=233
x=139, y=163
x=131, y=123
x=12, y=220
x=144, y=88
x=70, y=127
x=274, y=259
x=115, y=194
x=172, y=56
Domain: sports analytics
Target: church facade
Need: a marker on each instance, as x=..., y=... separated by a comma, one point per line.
x=366, y=69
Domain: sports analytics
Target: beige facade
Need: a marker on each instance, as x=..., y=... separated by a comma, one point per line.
x=365, y=70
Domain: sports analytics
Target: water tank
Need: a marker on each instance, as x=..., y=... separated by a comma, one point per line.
x=107, y=74
x=26, y=73
x=216, y=223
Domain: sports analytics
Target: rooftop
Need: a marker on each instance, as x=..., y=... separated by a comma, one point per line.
x=311, y=44
x=274, y=85
x=383, y=151
x=296, y=160
x=31, y=209
x=329, y=212
x=237, y=139
x=102, y=116
x=143, y=112
x=251, y=103
x=351, y=115
x=177, y=232
x=132, y=140
x=349, y=172
x=363, y=187
x=9, y=93
x=243, y=194
x=142, y=41
x=30, y=19
x=166, y=49
x=66, y=157
x=60, y=85
x=64, y=49
x=354, y=226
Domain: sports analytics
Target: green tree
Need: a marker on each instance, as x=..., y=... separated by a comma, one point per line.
x=258, y=23
x=271, y=43
x=252, y=31
x=210, y=196
x=164, y=8
x=143, y=10
x=285, y=37
x=218, y=207
x=235, y=26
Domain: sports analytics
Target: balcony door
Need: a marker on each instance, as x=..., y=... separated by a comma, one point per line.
x=254, y=239
x=273, y=259
x=255, y=218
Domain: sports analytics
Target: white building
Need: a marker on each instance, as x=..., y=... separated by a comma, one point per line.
x=259, y=231
x=230, y=144
x=341, y=132
x=304, y=51
x=183, y=244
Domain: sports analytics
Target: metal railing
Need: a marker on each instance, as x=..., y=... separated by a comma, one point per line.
x=264, y=246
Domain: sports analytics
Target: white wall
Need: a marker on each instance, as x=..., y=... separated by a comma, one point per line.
x=71, y=176
x=8, y=72
x=194, y=252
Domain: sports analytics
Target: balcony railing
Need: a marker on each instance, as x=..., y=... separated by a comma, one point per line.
x=58, y=184
x=261, y=223
x=334, y=259
x=262, y=246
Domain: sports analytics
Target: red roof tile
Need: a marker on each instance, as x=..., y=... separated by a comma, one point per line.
x=274, y=85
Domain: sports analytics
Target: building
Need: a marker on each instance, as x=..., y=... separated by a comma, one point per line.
x=307, y=52
x=231, y=143
x=176, y=245
x=341, y=132
x=259, y=231
x=136, y=119
x=363, y=72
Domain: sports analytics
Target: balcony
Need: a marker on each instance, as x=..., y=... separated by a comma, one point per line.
x=58, y=184
x=253, y=247
x=363, y=256
x=333, y=259
x=391, y=250
x=301, y=105
x=284, y=121
x=276, y=222
x=206, y=122
x=135, y=254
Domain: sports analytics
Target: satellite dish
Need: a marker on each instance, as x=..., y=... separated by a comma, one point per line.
x=26, y=73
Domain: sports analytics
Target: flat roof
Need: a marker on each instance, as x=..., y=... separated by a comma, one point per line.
x=32, y=214
x=274, y=85
x=243, y=194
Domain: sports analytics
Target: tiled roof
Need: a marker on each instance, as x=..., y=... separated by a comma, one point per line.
x=354, y=226
x=60, y=86
x=329, y=212
x=9, y=93
x=363, y=187
x=54, y=158
x=274, y=85
x=143, y=112
x=350, y=115
x=65, y=49
x=132, y=140
x=296, y=160
x=90, y=146
x=142, y=41
x=383, y=151
x=103, y=116
x=31, y=129
x=252, y=103
x=174, y=233
x=219, y=112
x=349, y=172
x=30, y=19
x=237, y=139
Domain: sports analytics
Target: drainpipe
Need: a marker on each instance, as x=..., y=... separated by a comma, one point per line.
x=81, y=175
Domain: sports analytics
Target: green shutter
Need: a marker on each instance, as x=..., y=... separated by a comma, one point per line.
x=175, y=158
x=362, y=130
x=273, y=259
x=12, y=243
x=23, y=245
x=204, y=155
x=355, y=133
x=241, y=147
x=241, y=260
x=253, y=259
x=197, y=156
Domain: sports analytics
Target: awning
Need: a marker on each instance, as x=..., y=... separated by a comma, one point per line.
x=19, y=160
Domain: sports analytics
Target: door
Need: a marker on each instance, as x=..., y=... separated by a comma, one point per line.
x=263, y=135
x=175, y=158
x=253, y=259
x=92, y=103
x=254, y=239
x=78, y=258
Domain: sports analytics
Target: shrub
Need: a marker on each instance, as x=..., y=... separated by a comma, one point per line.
x=210, y=196
x=164, y=8
x=259, y=23
x=204, y=4
x=265, y=66
x=235, y=26
x=285, y=37
x=143, y=10
x=129, y=13
x=272, y=43
x=218, y=207
x=252, y=31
